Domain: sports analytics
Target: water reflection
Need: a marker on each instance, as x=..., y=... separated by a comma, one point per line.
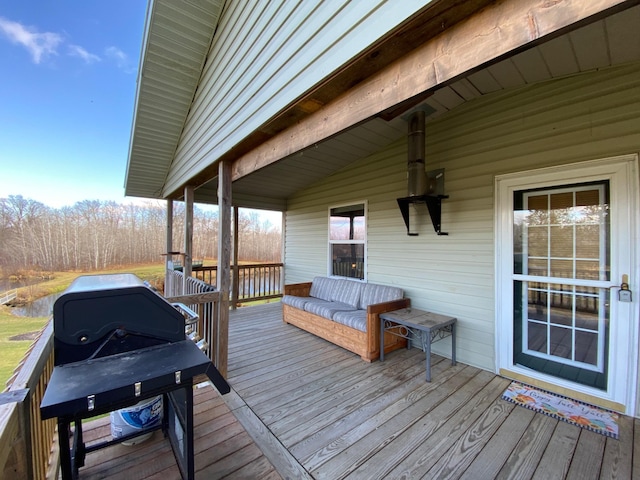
x=8, y=284
x=42, y=307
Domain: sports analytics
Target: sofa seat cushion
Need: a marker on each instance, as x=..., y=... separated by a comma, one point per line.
x=373, y=293
x=322, y=288
x=293, y=301
x=326, y=309
x=356, y=319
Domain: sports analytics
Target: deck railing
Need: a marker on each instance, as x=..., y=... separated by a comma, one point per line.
x=201, y=298
x=7, y=296
x=251, y=282
x=27, y=444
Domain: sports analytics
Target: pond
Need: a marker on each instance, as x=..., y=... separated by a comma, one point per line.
x=8, y=284
x=42, y=307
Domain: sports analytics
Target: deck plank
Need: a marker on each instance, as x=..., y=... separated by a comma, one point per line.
x=525, y=457
x=424, y=452
x=407, y=432
x=556, y=459
x=459, y=456
x=618, y=454
x=325, y=437
x=495, y=453
x=587, y=459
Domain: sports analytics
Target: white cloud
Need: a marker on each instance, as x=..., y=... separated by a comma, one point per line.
x=77, y=51
x=39, y=44
x=122, y=59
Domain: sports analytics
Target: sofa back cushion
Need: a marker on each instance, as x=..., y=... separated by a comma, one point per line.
x=372, y=293
x=322, y=288
x=347, y=291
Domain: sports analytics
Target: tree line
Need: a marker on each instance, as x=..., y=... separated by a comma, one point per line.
x=94, y=235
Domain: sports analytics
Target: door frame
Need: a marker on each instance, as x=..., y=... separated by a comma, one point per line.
x=622, y=173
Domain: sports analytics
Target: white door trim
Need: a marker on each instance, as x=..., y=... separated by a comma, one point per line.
x=622, y=173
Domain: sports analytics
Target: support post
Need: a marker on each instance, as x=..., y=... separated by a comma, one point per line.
x=236, y=269
x=168, y=261
x=224, y=262
x=188, y=235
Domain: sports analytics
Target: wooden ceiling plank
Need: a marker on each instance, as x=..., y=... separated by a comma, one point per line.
x=591, y=50
x=559, y=57
x=448, y=97
x=465, y=89
x=531, y=66
x=484, y=82
x=506, y=74
x=624, y=37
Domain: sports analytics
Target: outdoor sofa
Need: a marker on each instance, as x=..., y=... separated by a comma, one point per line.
x=344, y=312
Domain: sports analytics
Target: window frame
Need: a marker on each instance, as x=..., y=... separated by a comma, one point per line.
x=363, y=241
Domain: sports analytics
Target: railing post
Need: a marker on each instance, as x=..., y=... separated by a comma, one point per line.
x=236, y=269
x=15, y=435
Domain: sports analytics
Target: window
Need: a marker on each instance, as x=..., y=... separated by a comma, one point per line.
x=347, y=240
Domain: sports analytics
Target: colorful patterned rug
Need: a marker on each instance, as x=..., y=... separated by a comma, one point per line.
x=572, y=411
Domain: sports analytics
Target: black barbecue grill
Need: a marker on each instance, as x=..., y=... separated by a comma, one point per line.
x=118, y=342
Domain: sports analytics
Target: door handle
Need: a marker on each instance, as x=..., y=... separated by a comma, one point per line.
x=624, y=293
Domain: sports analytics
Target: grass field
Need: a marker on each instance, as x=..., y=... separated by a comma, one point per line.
x=12, y=351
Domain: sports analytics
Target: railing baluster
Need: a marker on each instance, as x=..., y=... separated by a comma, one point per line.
x=255, y=281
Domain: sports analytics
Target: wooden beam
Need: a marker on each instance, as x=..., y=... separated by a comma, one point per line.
x=499, y=30
x=224, y=263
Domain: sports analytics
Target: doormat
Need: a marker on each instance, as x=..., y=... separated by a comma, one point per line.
x=562, y=408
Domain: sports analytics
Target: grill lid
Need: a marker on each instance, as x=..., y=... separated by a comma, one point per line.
x=96, y=306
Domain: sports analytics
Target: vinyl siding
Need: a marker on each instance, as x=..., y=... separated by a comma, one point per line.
x=589, y=116
x=266, y=55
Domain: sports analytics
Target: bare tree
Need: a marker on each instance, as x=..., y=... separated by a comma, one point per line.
x=94, y=234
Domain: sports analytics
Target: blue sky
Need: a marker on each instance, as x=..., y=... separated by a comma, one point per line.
x=67, y=92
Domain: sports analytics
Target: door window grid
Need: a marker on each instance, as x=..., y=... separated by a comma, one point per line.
x=559, y=324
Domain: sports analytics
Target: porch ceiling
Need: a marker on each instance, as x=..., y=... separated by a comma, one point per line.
x=607, y=42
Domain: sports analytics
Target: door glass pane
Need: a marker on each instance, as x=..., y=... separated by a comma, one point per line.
x=561, y=238
x=562, y=321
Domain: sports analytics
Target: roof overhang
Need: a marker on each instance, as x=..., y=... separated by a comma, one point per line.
x=176, y=43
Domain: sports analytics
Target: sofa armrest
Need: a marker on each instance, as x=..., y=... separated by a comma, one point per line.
x=373, y=321
x=298, y=289
x=378, y=308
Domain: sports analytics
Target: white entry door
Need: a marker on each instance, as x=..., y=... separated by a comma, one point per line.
x=568, y=275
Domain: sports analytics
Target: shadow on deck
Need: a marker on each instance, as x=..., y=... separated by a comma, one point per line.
x=302, y=408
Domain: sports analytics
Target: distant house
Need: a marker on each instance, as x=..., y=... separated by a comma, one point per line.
x=530, y=112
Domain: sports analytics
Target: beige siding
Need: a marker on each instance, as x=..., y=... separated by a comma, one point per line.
x=266, y=55
x=585, y=117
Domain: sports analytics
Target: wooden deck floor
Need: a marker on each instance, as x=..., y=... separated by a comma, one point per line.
x=303, y=408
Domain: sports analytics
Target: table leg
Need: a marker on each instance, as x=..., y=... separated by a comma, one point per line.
x=382, y=340
x=453, y=344
x=426, y=346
